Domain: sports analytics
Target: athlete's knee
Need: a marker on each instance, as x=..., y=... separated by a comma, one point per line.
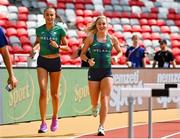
x=43, y=95
x=54, y=95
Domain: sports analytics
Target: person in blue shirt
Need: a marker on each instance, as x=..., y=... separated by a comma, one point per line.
x=135, y=54
x=6, y=57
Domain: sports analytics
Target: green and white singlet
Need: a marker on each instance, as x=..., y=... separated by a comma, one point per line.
x=56, y=33
x=101, y=52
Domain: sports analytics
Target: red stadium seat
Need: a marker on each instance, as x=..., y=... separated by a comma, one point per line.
x=61, y=5
x=107, y=2
x=161, y=23
x=154, y=10
x=177, y=17
x=165, y=29
x=87, y=13
x=136, y=3
x=176, y=51
x=11, y=32
x=22, y=58
x=23, y=10
x=79, y=6
x=172, y=11
x=152, y=22
x=96, y=13
x=21, y=24
x=177, y=59
x=66, y=59
x=22, y=32
x=73, y=42
x=127, y=28
x=27, y=48
x=171, y=16
x=3, y=16
x=118, y=35
x=144, y=15
x=25, y=40
x=155, y=36
x=10, y=24
x=80, y=12
x=22, y=17
x=125, y=15
x=145, y=28
x=110, y=29
x=79, y=19
x=16, y=59
x=17, y=50
x=80, y=1
x=143, y=21
x=134, y=15
x=116, y=14
x=153, y=16
x=88, y=2
x=122, y=60
x=4, y=2
x=177, y=22
x=108, y=14
x=146, y=36
x=76, y=61
x=3, y=23
x=174, y=36
x=175, y=44
x=147, y=60
x=136, y=28
x=81, y=26
x=87, y=20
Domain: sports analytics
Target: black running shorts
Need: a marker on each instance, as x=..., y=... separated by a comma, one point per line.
x=50, y=64
x=97, y=74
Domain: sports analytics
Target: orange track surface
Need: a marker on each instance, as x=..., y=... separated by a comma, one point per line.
x=77, y=126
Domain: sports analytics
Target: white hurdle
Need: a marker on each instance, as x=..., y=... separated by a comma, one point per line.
x=150, y=90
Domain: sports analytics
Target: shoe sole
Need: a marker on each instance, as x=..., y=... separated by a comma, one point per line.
x=41, y=131
x=53, y=130
x=100, y=134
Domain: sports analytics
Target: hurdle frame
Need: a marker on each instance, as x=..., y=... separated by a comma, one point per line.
x=131, y=93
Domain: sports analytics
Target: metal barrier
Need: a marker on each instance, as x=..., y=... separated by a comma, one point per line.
x=150, y=90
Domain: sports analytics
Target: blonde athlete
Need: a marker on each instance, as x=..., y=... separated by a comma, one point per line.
x=100, y=79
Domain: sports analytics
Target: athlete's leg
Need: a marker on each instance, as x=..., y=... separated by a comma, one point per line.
x=105, y=87
x=54, y=85
x=43, y=82
x=94, y=90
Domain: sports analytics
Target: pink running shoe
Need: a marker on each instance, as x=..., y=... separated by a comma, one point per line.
x=54, y=124
x=43, y=128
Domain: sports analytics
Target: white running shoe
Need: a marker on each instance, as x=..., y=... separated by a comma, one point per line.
x=101, y=131
x=95, y=111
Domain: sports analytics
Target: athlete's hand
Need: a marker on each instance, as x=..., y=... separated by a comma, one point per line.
x=32, y=54
x=12, y=81
x=114, y=59
x=54, y=44
x=91, y=62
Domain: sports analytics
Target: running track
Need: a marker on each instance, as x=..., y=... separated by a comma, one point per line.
x=167, y=129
